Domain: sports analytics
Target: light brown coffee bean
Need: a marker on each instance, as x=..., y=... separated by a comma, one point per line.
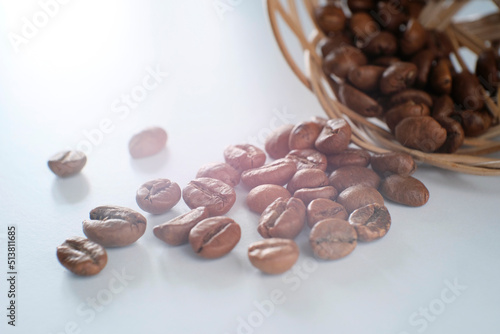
x=214, y=237
x=389, y=163
x=330, y=18
x=342, y=59
x=414, y=37
x=308, y=158
x=220, y=171
x=82, y=256
x=114, y=226
x=366, y=78
x=277, y=172
x=276, y=144
x=307, y=178
x=408, y=109
x=335, y=137
x=398, y=77
x=283, y=218
x=303, y=135
x=358, y=196
x=148, y=142
x=358, y=101
x=371, y=222
x=67, y=163
x=158, y=196
x=214, y=194
x=348, y=176
x=306, y=195
x=245, y=156
x=405, y=190
x=423, y=133
x=323, y=208
x=273, y=256
x=348, y=157
x=332, y=239
x=176, y=231
x=260, y=197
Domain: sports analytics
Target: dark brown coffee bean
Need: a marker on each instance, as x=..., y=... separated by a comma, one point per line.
x=214, y=194
x=307, y=178
x=114, y=226
x=341, y=60
x=380, y=44
x=389, y=163
x=371, y=222
x=415, y=95
x=348, y=176
x=333, y=41
x=245, y=156
x=220, y=171
x=391, y=15
x=323, y=208
x=82, y=256
x=385, y=61
x=423, y=133
x=439, y=43
x=366, y=77
x=405, y=190
x=260, y=197
x=355, y=197
x=348, y=157
x=214, y=237
x=414, y=8
x=277, y=142
x=273, y=256
x=443, y=107
x=158, y=196
x=363, y=26
x=487, y=70
x=67, y=163
x=147, y=142
x=176, y=231
x=283, y=218
x=332, y=239
x=398, y=77
x=306, y=195
x=474, y=122
x=303, y=135
x=467, y=91
x=330, y=18
x=360, y=5
x=409, y=109
x=335, y=137
x=308, y=158
x=440, y=78
x=423, y=60
x=277, y=172
x=413, y=38
x=454, y=135
x=358, y=101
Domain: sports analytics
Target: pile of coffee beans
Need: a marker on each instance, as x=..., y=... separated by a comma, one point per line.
x=385, y=64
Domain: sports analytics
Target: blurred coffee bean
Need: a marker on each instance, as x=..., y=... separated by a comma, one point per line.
x=454, y=135
x=391, y=15
x=400, y=112
x=398, y=77
x=415, y=95
x=389, y=163
x=487, y=70
x=440, y=78
x=342, y=59
x=443, y=107
x=358, y=101
x=382, y=43
x=474, y=122
x=330, y=18
x=366, y=78
x=467, y=91
x=423, y=59
x=413, y=38
x=423, y=133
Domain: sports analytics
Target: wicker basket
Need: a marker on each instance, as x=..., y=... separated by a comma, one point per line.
x=371, y=134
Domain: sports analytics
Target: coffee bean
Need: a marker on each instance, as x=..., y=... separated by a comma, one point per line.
x=348, y=176
x=391, y=15
x=366, y=78
x=276, y=144
x=487, y=70
x=147, y=142
x=283, y=218
x=454, y=135
x=342, y=59
x=439, y=43
x=332, y=239
x=371, y=222
x=243, y=157
x=221, y=171
x=308, y=158
x=358, y=101
x=277, y=172
x=423, y=133
x=363, y=25
x=382, y=43
x=406, y=190
x=214, y=194
x=467, y=91
x=389, y=163
x=307, y=178
x=158, y=196
x=335, y=137
x=474, y=122
x=303, y=135
x=398, y=77
x=360, y=5
x=306, y=195
x=357, y=196
x=396, y=114
x=443, y=107
x=214, y=237
x=423, y=60
x=414, y=37
x=440, y=78
x=260, y=197
x=82, y=256
x=114, y=226
x=333, y=41
x=348, y=157
x=385, y=61
x=323, y=208
x=67, y=163
x=415, y=95
x=176, y=231
x=330, y=18
x=273, y=256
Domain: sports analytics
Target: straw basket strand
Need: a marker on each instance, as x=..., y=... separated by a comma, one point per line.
x=371, y=134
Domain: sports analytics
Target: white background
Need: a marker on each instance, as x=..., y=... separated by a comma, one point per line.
x=227, y=83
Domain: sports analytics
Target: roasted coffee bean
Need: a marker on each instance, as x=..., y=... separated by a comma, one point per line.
x=474, y=122
x=66, y=163
x=147, y=142
x=440, y=78
x=214, y=237
x=385, y=61
x=443, y=107
x=306, y=195
x=405, y=190
x=487, y=69
x=333, y=41
x=277, y=142
x=371, y=222
x=308, y=158
x=332, y=239
x=355, y=197
x=277, y=172
x=82, y=256
x=423, y=60
x=273, y=256
x=348, y=157
x=361, y=5
x=335, y=136
x=348, y=176
x=391, y=15
x=423, y=133
x=398, y=77
x=439, y=43
x=358, y=101
x=341, y=60
x=214, y=194
x=413, y=38
x=380, y=44
x=307, y=178
x=260, y=197
x=454, y=135
x=415, y=95
x=176, y=231
x=366, y=78
x=114, y=226
x=158, y=196
x=414, y=8
x=220, y=171
x=283, y=218
x=330, y=18
x=363, y=25
x=389, y=163
x=243, y=157
x=396, y=114
x=467, y=91
x=323, y=208
x=304, y=135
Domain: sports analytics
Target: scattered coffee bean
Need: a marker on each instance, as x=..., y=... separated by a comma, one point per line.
x=308, y=158
x=220, y=171
x=277, y=172
x=243, y=157
x=371, y=222
x=214, y=237
x=218, y=197
x=357, y=196
x=82, y=256
x=348, y=157
x=389, y=163
x=423, y=133
x=67, y=163
x=148, y=142
x=273, y=256
x=408, y=109
x=283, y=218
x=348, y=176
x=277, y=142
x=406, y=190
x=158, y=196
x=323, y=208
x=306, y=195
x=260, y=197
x=176, y=231
x=307, y=178
x=303, y=135
x=335, y=137
x=332, y=239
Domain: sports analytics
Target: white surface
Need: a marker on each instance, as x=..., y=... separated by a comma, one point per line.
x=227, y=83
